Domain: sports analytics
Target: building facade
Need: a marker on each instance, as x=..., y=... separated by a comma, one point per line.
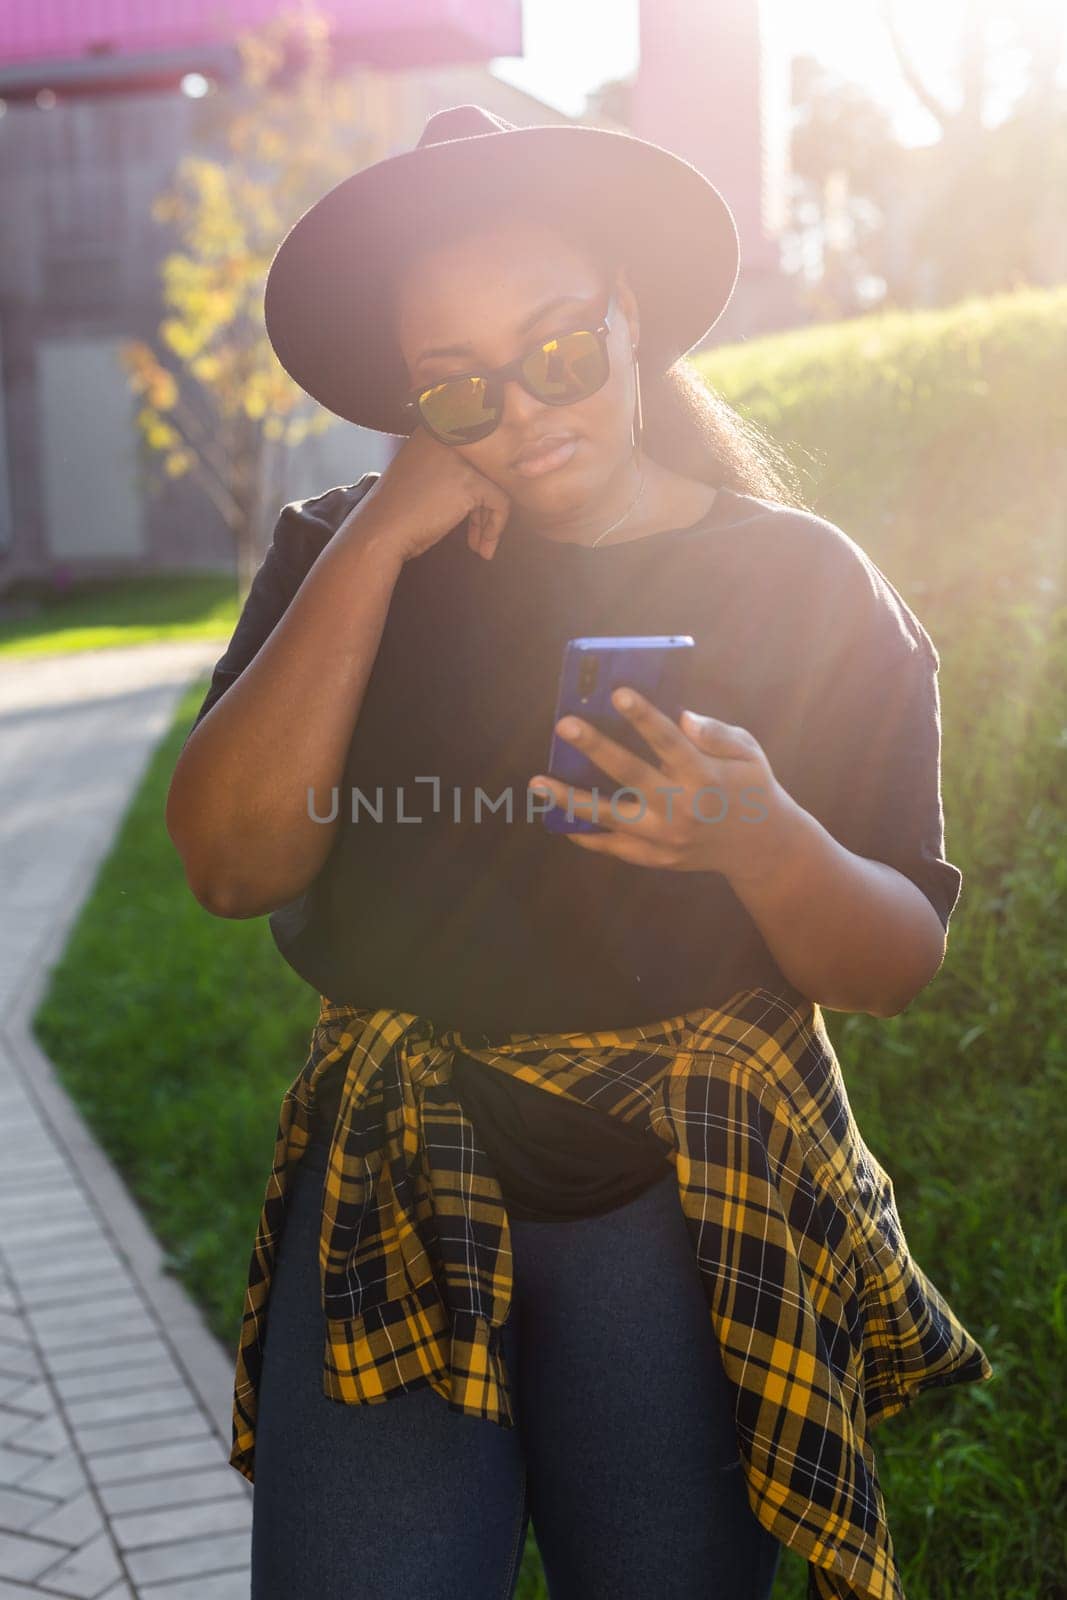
x=80, y=253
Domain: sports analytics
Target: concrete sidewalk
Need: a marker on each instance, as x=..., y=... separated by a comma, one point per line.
x=114, y=1395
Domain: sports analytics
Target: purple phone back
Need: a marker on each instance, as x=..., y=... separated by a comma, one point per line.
x=654, y=665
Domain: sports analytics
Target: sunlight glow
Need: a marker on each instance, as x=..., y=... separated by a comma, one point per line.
x=573, y=46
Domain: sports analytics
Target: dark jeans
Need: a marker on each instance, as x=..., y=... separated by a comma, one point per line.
x=625, y=1454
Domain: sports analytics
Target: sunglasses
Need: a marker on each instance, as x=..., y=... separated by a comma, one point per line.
x=568, y=367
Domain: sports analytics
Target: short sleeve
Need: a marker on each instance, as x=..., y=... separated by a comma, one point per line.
x=872, y=764
x=865, y=749
x=302, y=531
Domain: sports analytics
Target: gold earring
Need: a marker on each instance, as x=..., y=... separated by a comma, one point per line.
x=638, y=424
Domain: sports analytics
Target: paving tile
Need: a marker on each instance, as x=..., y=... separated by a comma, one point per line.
x=124, y=1378
x=12, y=1423
x=20, y=1203
x=138, y=1403
x=36, y=1203
x=84, y=1572
x=35, y=1167
x=24, y=1558
x=100, y=1358
x=72, y=1523
x=15, y=1348
x=71, y=1337
x=81, y=1264
x=95, y=1295
x=64, y=1475
x=14, y=1222
x=46, y=1435
x=19, y=1361
x=188, y=1558
x=27, y=1254
x=173, y=1489
x=61, y=1260
x=35, y=1397
x=223, y=1586
x=18, y=1510
x=16, y=1464
x=92, y=1240
x=57, y=1293
x=84, y=1219
x=139, y=1529
x=16, y=1186
x=70, y=1194
x=152, y=1430
x=172, y=1455
x=40, y=1232
x=48, y=1178
x=89, y=1314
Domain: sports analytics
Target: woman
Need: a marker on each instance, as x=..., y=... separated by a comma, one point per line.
x=566, y=1093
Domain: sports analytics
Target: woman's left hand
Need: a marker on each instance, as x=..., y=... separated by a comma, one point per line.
x=714, y=805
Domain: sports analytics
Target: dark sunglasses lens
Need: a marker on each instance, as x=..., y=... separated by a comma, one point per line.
x=459, y=410
x=568, y=368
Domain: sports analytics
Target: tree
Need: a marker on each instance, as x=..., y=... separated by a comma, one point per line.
x=843, y=156
x=215, y=402
x=991, y=215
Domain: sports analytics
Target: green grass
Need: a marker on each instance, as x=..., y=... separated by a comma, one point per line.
x=939, y=442
x=96, y=614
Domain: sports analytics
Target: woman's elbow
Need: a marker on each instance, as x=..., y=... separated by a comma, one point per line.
x=217, y=902
x=236, y=899
x=929, y=959
x=204, y=884
x=208, y=890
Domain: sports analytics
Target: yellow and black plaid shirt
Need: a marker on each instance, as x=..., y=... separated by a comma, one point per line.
x=826, y=1324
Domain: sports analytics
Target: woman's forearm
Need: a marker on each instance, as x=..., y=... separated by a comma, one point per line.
x=851, y=933
x=237, y=809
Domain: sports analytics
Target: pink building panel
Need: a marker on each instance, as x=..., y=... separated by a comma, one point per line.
x=710, y=87
x=398, y=33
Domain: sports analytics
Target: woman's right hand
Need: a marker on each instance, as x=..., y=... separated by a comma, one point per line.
x=427, y=489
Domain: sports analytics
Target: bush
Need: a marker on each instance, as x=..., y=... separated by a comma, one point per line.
x=938, y=441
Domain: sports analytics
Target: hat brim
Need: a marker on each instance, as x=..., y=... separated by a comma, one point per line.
x=328, y=284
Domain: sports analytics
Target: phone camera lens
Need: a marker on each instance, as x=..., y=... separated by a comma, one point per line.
x=587, y=675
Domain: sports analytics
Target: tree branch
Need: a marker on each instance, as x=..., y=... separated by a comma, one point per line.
x=206, y=445
x=941, y=113
x=215, y=487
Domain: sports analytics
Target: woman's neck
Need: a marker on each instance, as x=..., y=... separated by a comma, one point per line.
x=665, y=500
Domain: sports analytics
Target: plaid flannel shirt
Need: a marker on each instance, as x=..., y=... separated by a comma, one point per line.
x=826, y=1324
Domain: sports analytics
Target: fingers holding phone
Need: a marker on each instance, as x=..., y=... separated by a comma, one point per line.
x=590, y=671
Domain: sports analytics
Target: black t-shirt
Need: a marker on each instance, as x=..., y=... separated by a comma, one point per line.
x=491, y=924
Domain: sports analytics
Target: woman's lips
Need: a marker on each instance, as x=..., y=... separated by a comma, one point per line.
x=548, y=460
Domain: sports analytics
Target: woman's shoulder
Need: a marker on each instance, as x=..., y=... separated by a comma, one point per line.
x=318, y=516
x=797, y=534
x=814, y=567
x=304, y=527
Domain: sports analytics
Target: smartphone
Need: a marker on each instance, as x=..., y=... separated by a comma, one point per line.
x=592, y=668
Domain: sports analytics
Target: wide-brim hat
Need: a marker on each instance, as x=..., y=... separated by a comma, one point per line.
x=328, y=291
